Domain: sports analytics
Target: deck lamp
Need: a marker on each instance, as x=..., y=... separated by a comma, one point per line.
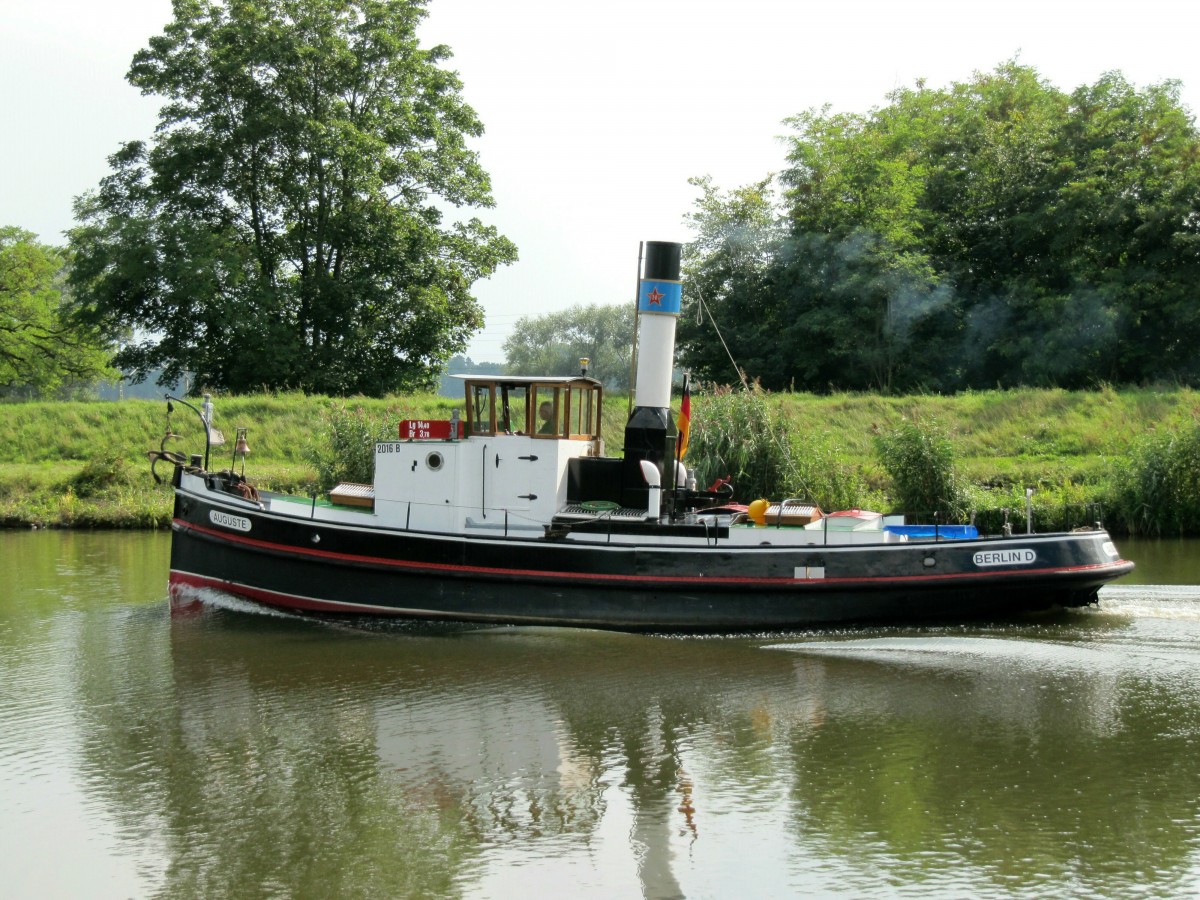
x=169, y=434
x=207, y=428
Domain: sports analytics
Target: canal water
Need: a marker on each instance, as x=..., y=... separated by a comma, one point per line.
x=232, y=753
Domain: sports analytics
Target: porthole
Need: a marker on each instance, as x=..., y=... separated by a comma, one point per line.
x=435, y=461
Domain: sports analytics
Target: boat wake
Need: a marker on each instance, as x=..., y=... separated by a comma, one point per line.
x=1001, y=657
x=1141, y=629
x=1149, y=601
x=951, y=651
x=216, y=599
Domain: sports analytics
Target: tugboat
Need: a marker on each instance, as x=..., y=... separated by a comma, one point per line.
x=510, y=512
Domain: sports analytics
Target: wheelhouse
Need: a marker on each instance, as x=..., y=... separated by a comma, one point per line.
x=562, y=408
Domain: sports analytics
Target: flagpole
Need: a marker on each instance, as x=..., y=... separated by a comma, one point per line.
x=637, y=315
x=681, y=445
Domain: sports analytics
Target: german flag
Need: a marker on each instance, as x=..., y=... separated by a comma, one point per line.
x=685, y=420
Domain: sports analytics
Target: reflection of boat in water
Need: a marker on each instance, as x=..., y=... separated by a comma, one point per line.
x=513, y=514
x=487, y=757
x=464, y=748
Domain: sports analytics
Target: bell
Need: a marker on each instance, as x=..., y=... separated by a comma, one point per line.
x=241, y=448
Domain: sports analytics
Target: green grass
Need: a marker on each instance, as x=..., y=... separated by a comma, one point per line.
x=1068, y=445
x=44, y=447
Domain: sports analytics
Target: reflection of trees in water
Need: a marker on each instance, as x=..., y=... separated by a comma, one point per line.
x=251, y=772
x=499, y=757
x=654, y=711
x=1038, y=768
x=267, y=755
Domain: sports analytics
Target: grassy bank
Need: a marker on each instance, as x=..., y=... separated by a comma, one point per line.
x=83, y=464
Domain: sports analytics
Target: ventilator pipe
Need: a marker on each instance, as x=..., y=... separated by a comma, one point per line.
x=654, y=495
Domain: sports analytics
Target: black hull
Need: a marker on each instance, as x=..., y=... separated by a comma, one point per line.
x=323, y=567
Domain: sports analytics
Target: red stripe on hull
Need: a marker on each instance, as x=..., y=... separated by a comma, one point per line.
x=279, y=600
x=609, y=578
x=180, y=579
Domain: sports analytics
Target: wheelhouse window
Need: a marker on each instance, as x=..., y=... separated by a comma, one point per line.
x=481, y=409
x=583, y=411
x=547, y=402
x=513, y=414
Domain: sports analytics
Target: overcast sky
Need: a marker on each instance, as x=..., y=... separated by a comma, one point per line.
x=596, y=113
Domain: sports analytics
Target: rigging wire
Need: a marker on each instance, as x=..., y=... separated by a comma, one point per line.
x=703, y=308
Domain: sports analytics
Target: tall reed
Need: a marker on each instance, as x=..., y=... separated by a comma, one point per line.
x=1158, y=483
x=735, y=434
x=343, y=448
x=921, y=461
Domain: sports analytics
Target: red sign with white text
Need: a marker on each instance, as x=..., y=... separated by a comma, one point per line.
x=426, y=430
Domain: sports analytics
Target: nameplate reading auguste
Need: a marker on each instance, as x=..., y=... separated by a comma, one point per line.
x=225, y=520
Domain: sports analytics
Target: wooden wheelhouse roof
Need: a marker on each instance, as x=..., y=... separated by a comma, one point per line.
x=528, y=380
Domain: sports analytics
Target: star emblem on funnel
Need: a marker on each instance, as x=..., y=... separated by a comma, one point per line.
x=655, y=297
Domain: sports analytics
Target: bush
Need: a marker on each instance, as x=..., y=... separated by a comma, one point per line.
x=823, y=476
x=344, y=446
x=743, y=435
x=736, y=435
x=921, y=462
x=101, y=475
x=1055, y=507
x=1158, y=484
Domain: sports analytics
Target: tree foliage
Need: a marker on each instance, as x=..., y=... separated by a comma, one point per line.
x=728, y=271
x=995, y=232
x=449, y=386
x=42, y=351
x=285, y=226
x=553, y=344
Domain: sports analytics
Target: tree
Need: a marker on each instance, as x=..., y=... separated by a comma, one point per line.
x=285, y=226
x=1127, y=224
x=1065, y=225
x=995, y=232
x=727, y=271
x=42, y=352
x=829, y=305
x=553, y=344
x=858, y=314
x=449, y=386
